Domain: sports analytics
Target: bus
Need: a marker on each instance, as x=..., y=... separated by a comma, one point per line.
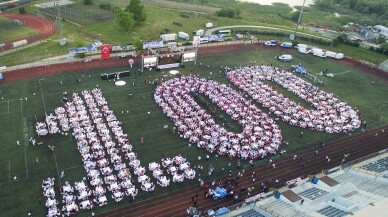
x=225, y=33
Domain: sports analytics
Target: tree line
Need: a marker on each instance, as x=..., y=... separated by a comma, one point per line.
x=377, y=10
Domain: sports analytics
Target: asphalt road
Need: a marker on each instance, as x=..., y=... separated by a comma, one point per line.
x=211, y=30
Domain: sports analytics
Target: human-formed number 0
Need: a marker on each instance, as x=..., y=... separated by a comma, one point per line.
x=90, y=115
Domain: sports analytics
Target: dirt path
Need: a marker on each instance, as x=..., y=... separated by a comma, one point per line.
x=181, y=6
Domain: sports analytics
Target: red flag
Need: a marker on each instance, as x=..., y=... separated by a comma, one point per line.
x=105, y=51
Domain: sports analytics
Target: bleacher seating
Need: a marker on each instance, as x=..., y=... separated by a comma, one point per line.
x=330, y=211
x=280, y=208
x=364, y=182
x=378, y=166
x=313, y=193
x=249, y=213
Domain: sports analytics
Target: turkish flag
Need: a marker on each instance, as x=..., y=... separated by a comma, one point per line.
x=105, y=51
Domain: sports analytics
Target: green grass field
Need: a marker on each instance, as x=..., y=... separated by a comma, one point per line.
x=18, y=118
x=160, y=16
x=10, y=30
x=81, y=14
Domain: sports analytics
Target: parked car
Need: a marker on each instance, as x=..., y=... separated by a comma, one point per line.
x=209, y=25
x=318, y=52
x=339, y=56
x=285, y=57
x=183, y=35
x=271, y=43
x=203, y=40
x=303, y=50
x=301, y=46
x=330, y=54
x=186, y=43
x=286, y=45
x=240, y=36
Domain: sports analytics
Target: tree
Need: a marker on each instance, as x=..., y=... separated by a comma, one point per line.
x=124, y=19
x=384, y=48
x=228, y=12
x=295, y=16
x=138, y=44
x=381, y=39
x=137, y=10
x=325, y=4
x=88, y=2
x=22, y=10
x=342, y=38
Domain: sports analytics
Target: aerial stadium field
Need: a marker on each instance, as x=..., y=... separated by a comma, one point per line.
x=10, y=30
x=25, y=102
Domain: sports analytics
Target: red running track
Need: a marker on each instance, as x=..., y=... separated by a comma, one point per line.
x=45, y=27
x=175, y=204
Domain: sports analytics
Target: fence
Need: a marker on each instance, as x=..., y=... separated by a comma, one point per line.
x=79, y=14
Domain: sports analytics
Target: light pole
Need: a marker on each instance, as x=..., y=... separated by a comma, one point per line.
x=344, y=159
x=299, y=19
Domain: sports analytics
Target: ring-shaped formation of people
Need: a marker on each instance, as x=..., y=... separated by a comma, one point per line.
x=328, y=114
x=260, y=136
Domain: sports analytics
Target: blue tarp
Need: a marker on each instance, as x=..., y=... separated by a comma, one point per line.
x=220, y=193
x=300, y=69
x=1, y=77
x=222, y=211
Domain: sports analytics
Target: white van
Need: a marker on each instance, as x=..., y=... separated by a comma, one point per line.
x=203, y=40
x=200, y=32
x=285, y=57
x=318, y=52
x=330, y=54
x=171, y=45
x=184, y=35
x=301, y=46
x=339, y=56
x=303, y=50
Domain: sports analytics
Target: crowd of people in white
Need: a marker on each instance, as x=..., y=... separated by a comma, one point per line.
x=102, y=143
x=176, y=164
x=328, y=114
x=261, y=134
x=49, y=193
x=103, y=147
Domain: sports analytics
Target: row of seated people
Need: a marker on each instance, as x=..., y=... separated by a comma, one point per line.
x=51, y=202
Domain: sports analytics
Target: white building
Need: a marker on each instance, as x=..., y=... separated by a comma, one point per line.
x=382, y=30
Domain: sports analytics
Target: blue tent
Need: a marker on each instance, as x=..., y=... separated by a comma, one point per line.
x=222, y=211
x=1, y=77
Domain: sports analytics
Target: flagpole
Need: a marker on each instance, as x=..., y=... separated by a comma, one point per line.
x=300, y=18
